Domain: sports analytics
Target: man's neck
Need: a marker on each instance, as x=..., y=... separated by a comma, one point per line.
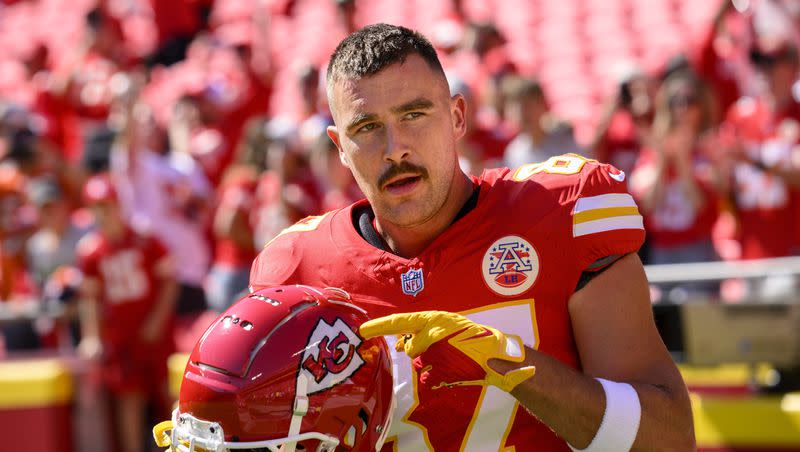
x=411, y=241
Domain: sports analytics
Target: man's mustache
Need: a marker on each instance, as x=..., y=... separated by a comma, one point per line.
x=404, y=168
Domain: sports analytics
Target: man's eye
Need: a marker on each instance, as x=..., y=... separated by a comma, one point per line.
x=367, y=127
x=413, y=114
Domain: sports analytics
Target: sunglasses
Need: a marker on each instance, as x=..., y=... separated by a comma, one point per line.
x=768, y=61
x=684, y=100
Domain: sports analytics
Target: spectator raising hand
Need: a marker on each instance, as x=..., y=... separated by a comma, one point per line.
x=673, y=179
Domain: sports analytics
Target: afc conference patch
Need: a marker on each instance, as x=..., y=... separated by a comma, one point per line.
x=412, y=282
x=510, y=266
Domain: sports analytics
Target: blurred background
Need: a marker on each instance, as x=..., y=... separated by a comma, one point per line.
x=202, y=125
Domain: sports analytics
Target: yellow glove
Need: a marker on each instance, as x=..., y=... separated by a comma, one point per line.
x=437, y=333
x=161, y=434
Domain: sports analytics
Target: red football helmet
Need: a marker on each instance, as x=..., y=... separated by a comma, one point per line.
x=284, y=368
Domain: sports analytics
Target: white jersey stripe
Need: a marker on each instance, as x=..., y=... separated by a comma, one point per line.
x=607, y=224
x=603, y=201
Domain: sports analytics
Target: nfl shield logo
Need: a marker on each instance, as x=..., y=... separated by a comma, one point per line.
x=412, y=282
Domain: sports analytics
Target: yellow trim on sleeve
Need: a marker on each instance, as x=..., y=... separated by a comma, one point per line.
x=599, y=214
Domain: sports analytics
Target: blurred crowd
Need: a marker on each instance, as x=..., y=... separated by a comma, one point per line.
x=150, y=148
x=205, y=122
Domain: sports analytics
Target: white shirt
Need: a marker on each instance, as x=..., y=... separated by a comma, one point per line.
x=148, y=194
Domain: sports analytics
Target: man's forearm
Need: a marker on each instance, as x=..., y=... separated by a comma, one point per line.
x=89, y=318
x=165, y=303
x=573, y=404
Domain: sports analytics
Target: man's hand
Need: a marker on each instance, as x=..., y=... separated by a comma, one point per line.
x=90, y=348
x=449, y=349
x=151, y=331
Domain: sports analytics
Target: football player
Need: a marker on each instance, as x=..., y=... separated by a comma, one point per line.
x=522, y=308
x=284, y=369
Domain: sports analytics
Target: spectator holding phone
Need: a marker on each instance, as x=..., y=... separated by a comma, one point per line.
x=673, y=179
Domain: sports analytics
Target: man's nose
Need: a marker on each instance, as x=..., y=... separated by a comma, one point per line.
x=397, y=145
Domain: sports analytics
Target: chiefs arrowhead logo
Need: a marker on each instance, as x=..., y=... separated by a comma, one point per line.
x=331, y=355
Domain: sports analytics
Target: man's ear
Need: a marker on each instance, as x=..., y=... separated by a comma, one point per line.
x=333, y=134
x=459, y=115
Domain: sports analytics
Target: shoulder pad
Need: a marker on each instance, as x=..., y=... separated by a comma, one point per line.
x=277, y=262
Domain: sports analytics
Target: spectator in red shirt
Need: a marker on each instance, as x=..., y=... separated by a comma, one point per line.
x=719, y=60
x=127, y=306
x=482, y=146
x=195, y=134
x=763, y=134
x=673, y=180
x=85, y=81
x=625, y=121
x=287, y=191
x=234, y=248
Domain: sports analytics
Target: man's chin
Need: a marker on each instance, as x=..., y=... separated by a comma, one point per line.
x=407, y=215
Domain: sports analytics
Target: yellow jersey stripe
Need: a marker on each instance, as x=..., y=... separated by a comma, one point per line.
x=597, y=214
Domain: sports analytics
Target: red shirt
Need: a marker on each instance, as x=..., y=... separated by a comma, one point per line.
x=210, y=148
x=240, y=197
x=491, y=142
x=767, y=207
x=719, y=71
x=620, y=146
x=128, y=283
x=512, y=262
x=175, y=18
x=87, y=102
x=673, y=222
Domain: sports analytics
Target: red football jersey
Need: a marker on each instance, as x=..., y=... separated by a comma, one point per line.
x=128, y=283
x=512, y=262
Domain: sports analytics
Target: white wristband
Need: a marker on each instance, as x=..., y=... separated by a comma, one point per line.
x=620, y=423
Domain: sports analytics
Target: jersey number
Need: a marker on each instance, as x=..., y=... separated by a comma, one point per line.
x=123, y=277
x=494, y=414
x=561, y=164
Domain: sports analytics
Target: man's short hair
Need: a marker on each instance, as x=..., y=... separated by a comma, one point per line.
x=372, y=48
x=519, y=88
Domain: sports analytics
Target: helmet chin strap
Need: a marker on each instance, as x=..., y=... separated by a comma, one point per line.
x=300, y=410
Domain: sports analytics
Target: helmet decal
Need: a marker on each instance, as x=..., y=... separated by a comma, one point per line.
x=331, y=355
